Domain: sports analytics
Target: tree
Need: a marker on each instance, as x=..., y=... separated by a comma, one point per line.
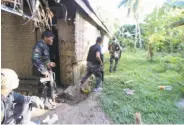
x=134, y=9
x=178, y=4
x=158, y=33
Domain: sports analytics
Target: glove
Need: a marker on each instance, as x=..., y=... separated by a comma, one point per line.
x=37, y=102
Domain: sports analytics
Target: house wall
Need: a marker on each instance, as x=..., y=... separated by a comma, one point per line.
x=74, y=43
x=86, y=33
x=17, y=41
x=85, y=36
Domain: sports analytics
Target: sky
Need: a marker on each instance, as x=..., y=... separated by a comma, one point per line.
x=111, y=6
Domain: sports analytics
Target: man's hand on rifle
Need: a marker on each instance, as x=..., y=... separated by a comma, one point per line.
x=46, y=74
x=51, y=64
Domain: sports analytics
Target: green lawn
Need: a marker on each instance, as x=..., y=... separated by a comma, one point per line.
x=155, y=106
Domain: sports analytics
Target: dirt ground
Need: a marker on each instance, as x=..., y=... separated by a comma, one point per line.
x=87, y=111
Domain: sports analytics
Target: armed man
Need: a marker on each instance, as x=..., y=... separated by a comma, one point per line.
x=94, y=64
x=115, y=54
x=15, y=108
x=42, y=67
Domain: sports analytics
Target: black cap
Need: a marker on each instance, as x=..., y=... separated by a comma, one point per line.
x=47, y=34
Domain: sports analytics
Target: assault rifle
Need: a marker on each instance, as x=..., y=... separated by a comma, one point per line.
x=53, y=86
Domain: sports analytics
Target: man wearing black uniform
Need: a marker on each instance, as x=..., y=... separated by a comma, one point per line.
x=94, y=64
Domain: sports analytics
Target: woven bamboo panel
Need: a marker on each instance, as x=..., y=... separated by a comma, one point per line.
x=17, y=43
x=66, y=51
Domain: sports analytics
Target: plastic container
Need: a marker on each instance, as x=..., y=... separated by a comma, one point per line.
x=169, y=88
x=51, y=120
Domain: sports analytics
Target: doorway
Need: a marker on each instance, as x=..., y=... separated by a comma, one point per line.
x=54, y=55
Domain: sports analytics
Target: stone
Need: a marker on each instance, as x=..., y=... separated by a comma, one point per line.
x=180, y=103
x=70, y=92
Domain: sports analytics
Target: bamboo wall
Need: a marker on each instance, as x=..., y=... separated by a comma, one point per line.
x=17, y=41
x=66, y=51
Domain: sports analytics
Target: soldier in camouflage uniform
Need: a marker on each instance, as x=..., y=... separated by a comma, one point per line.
x=115, y=54
x=15, y=108
x=94, y=64
x=42, y=65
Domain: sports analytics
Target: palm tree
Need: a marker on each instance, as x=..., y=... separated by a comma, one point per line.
x=179, y=4
x=133, y=8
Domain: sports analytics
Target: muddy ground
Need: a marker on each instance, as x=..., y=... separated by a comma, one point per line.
x=81, y=109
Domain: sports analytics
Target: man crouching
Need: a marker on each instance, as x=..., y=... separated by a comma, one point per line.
x=15, y=108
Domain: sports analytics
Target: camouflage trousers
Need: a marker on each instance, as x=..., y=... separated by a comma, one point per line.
x=22, y=114
x=112, y=59
x=96, y=70
x=44, y=89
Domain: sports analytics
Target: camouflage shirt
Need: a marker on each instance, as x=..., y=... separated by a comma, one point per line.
x=40, y=56
x=114, y=47
x=10, y=103
x=13, y=106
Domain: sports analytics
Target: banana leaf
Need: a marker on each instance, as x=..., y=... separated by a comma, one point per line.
x=178, y=23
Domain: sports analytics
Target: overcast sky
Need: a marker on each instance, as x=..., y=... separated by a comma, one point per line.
x=111, y=6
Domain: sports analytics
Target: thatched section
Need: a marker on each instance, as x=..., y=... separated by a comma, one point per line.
x=41, y=15
x=16, y=4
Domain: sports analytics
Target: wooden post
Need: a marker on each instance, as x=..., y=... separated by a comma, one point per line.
x=138, y=118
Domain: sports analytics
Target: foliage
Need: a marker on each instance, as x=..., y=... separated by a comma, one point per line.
x=156, y=106
x=176, y=3
x=125, y=35
x=157, y=30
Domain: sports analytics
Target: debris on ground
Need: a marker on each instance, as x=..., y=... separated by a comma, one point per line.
x=78, y=108
x=72, y=95
x=85, y=91
x=129, y=91
x=129, y=81
x=52, y=120
x=87, y=111
x=165, y=88
x=180, y=103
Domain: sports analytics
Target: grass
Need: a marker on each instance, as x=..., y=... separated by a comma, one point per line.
x=156, y=106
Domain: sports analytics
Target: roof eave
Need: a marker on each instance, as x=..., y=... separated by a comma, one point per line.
x=92, y=15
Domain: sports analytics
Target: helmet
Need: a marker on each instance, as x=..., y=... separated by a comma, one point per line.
x=9, y=79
